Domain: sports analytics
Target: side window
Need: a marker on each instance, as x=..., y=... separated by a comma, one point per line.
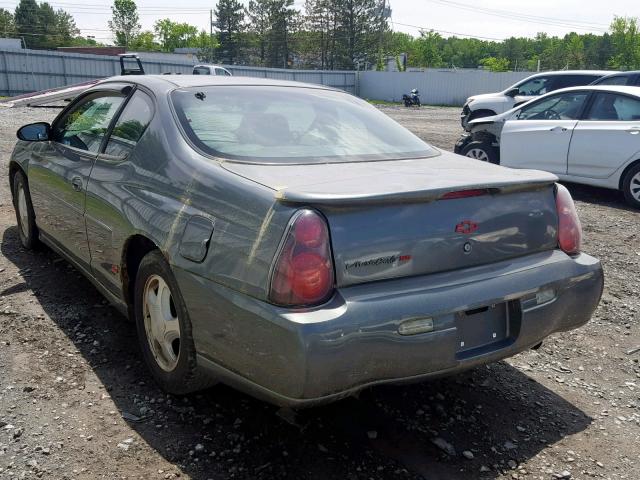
x=201, y=71
x=609, y=106
x=534, y=87
x=564, y=81
x=130, y=126
x=565, y=106
x=617, y=80
x=85, y=126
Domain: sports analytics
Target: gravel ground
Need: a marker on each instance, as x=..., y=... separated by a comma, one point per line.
x=77, y=403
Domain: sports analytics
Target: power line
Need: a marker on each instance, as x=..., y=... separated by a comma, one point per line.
x=521, y=17
x=458, y=34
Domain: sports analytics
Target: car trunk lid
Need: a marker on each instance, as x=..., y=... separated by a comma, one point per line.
x=414, y=217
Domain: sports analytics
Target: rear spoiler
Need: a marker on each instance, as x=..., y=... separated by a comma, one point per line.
x=287, y=196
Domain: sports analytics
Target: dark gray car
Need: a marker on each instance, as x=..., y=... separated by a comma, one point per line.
x=293, y=241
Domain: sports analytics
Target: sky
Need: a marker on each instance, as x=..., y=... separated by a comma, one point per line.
x=487, y=19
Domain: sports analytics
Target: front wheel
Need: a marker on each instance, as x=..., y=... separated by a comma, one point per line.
x=164, y=328
x=27, y=229
x=631, y=186
x=483, y=151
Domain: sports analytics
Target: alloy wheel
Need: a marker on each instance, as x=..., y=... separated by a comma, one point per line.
x=161, y=323
x=634, y=186
x=23, y=211
x=478, y=154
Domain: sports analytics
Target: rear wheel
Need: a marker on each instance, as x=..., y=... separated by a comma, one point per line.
x=164, y=328
x=631, y=186
x=25, y=215
x=481, y=150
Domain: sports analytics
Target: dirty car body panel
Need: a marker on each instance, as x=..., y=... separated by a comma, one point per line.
x=439, y=263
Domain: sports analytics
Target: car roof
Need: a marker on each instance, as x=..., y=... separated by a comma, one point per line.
x=159, y=83
x=629, y=90
x=577, y=72
x=622, y=74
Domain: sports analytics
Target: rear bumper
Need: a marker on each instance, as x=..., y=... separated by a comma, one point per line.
x=303, y=358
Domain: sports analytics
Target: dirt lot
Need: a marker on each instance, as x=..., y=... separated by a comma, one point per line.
x=76, y=401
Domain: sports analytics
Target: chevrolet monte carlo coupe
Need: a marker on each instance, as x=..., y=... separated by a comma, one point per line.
x=293, y=241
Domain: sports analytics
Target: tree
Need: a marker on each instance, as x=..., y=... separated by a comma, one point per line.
x=259, y=25
x=626, y=39
x=575, y=51
x=362, y=28
x=43, y=27
x=281, y=20
x=494, y=64
x=429, y=49
x=124, y=22
x=26, y=21
x=7, y=27
x=145, y=41
x=229, y=22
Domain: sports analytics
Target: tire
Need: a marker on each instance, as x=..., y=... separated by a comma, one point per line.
x=631, y=186
x=25, y=216
x=483, y=151
x=164, y=329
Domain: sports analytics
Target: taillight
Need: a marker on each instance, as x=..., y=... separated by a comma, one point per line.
x=303, y=271
x=569, y=228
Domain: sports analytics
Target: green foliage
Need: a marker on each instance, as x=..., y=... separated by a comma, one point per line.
x=343, y=34
x=40, y=25
x=429, y=46
x=328, y=34
x=174, y=35
x=494, y=64
x=145, y=41
x=625, y=37
x=124, y=22
x=7, y=27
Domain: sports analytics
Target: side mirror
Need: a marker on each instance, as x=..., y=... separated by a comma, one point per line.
x=512, y=92
x=34, y=132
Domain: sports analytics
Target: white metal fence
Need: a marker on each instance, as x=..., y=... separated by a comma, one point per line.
x=23, y=71
x=436, y=87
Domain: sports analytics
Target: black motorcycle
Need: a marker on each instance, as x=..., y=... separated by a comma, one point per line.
x=413, y=99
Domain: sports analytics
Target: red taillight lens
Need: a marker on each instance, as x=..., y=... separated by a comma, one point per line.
x=569, y=228
x=303, y=272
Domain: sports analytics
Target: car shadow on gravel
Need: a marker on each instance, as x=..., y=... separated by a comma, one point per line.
x=605, y=197
x=479, y=424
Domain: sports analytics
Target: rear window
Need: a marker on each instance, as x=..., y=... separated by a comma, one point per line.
x=269, y=124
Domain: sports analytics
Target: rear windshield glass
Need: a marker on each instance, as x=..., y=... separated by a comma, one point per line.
x=267, y=124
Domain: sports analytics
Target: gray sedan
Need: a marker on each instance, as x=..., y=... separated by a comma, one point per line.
x=293, y=241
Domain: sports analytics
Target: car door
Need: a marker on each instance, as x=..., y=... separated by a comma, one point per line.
x=108, y=194
x=607, y=138
x=58, y=174
x=538, y=135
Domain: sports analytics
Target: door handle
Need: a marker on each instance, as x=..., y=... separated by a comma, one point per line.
x=558, y=129
x=76, y=183
x=634, y=130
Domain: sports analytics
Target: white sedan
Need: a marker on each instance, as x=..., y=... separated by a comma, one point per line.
x=587, y=135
